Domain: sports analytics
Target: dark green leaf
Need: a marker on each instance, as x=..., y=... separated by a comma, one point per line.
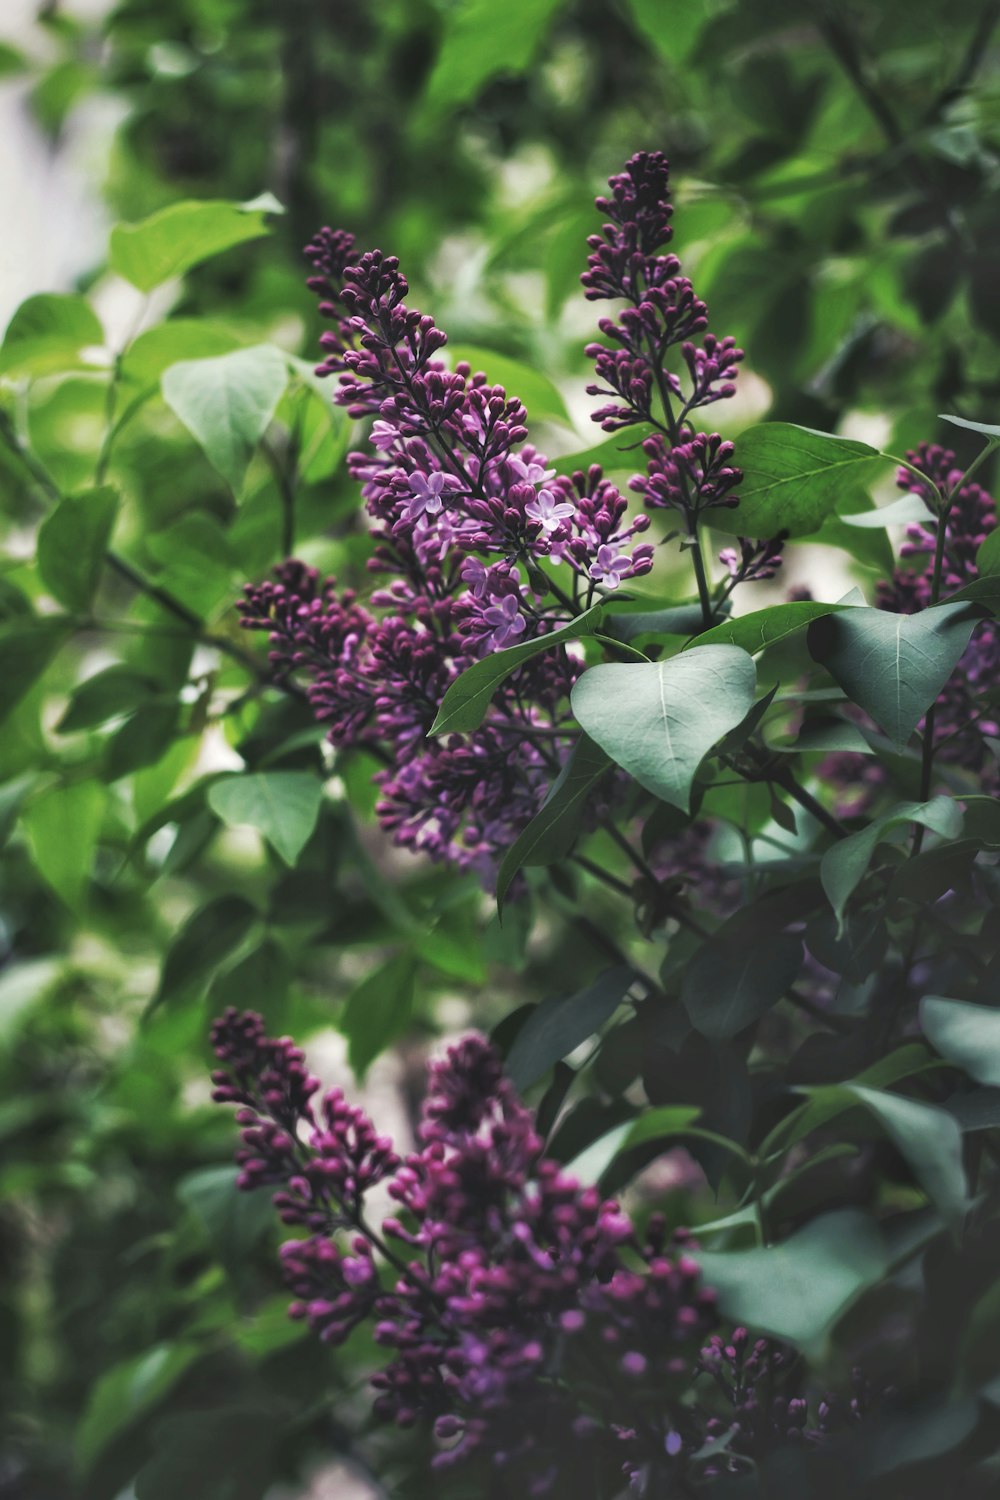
x=225, y=1453
x=464, y=705
x=893, y=666
x=106, y=695
x=126, y=1392
x=730, y=984
x=798, y=1289
x=793, y=479
x=143, y=740
x=281, y=805
x=72, y=542
x=967, y=1035
x=227, y=403
x=679, y=619
x=378, y=1011
x=26, y=648
x=558, y=1025
x=232, y=1220
x=553, y=830
x=47, y=333
x=173, y=240
x=619, y=454
x=988, y=556
x=845, y=863
x=208, y=937
x=659, y=720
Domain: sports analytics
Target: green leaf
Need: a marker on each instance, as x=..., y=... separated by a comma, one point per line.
x=227, y=403
x=983, y=428
x=232, y=1220
x=225, y=1453
x=899, y=512
x=196, y=559
x=659, y=720
x=26, y=648
x=765, y=627
x=72, y=542
x=47, y=333
x=107, y=695
x=126, y=1392
x=931, y=1142
x=556, y=1026
x=553, y=830
x=22, y=986
x=542, y=399
x=170, y=343
x=464, y=705
x=63, y=825
x=378, y=1011
x=845, y=863
x=967, y=1035
x=798, y=1289
x=673, y=26
x=208, y=937
x=173, y=240
x=482, y=39
x=793, y=479
x=892, y=666
x=619, y=454
x=282, y=805
x=988, y=556
x=679, y=619
x=143, y=740
x=734, y=980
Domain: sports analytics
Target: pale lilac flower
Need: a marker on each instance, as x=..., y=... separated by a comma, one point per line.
x=506, y=620
x=383, y=435
x=428, y=492
x=610, y=567
x=548, y=511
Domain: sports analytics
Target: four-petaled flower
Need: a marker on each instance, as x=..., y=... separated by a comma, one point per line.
x=610, y=567
x=428, y=492
x=548, y=511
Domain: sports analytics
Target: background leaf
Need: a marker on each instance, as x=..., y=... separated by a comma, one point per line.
x=227, y=403
x=72, y=542
x=176, y=238
x=793, y=479
x=281, y=805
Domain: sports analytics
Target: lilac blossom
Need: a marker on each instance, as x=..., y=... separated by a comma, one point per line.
x=498, y=1286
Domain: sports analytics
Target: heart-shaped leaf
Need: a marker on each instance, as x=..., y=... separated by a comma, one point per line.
x=658, y=720
x=227, y=403
x=793, y=478
x=892, y=666
x=844, y=865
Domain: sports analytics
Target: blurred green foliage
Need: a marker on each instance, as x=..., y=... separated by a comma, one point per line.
x=177, y=838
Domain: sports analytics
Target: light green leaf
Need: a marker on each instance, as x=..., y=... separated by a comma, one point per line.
x=482, y=39
x=553, y=830
x=621, y=453
x=62, y=825
x=558, y=1025
x=899, y=512
x=967, y=1035
x=227, y=403
x=542, y=399
x=171, y=343
x=22, y=985
x=988, y=556
x=983, y=428
x=931, y=1142
x=282, y=805
x=72, y=542
x=765, y=627
x=464, y=705
x=673, y=26
x=378, y=1011
x=197, y=562
x=126, y=1392
x=893, y=666
x=659, y=720
x=798, y=1289
x=793, y=479
x=47, y=333
x=173, y=240
x=845, y=863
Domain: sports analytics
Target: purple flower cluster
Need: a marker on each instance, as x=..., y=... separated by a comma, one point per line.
x=478, y=543
x=687, y=471
x=526, y=1322
x=966, y=717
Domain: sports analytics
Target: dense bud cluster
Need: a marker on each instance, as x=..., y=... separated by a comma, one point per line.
x=500, y=1286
